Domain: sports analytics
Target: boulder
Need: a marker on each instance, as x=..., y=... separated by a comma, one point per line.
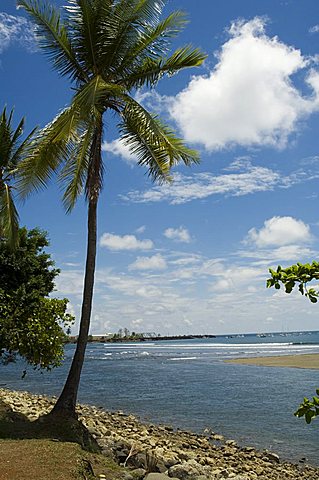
x=187, y=470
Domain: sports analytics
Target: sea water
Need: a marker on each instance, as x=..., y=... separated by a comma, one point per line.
x=187, y=384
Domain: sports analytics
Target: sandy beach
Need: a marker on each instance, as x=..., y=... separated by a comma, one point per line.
x=309, y=361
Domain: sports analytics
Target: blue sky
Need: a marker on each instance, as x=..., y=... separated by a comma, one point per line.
x=193, y=257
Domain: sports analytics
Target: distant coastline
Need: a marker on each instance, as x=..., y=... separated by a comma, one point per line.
x=108, y=339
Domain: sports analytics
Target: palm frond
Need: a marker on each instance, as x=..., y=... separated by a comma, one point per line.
x=154, y=144
x=94, y=181
x=53, y=37
x=153, y=41
x=9, y=218
x=83, y=18
x=18, y=131
x=152, y=70
x=5, y=139
x=149, y=11
x=19, y=150
x=97, y=95
x=122, y=29
x=64, y=141
x=74, y=173
x=11, y=146
x=50, y=148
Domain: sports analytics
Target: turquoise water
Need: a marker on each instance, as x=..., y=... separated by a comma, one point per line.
x=188, y=384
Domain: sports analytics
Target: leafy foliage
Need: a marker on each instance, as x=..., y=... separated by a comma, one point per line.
x=309, y=409
x=299, y=274
x=30, y=322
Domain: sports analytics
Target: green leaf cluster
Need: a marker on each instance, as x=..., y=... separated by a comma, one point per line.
x=299, y=274
x=309, y=409
x=31, y=323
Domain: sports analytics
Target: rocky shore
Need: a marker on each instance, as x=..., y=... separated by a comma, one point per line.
x=157, y=452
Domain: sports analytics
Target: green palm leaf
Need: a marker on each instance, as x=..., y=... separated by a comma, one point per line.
x=74, y=173
x=9, y=218
x=153, y=41
x=12, y=150
x=154, y=143
x=152, y=70
x=53, y=37
x=49, y=149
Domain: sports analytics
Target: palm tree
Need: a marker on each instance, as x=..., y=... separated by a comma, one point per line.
x=108, y=49
x=12, y=150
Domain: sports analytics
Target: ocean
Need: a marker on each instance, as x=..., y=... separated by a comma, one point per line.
x=187, y=384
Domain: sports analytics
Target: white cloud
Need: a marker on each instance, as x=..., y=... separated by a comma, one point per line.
x=153, y=101
x=119, y=148
x=249, y=98
x=156, y=262
x=191, y=258
x=137, y=322
x=237, y=278
x=16, y=29
x=272, y=255
x=141, y=229
x=125, y=242
x=70, y=282
x=249, y=179
x=314, y=29
x=180, y=234
x=280, y=231
x=292, y=253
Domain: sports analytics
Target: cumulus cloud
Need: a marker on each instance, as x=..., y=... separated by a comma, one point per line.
x=248, y=179
x=125, y=242
x=156, y=262
x=16, y=29
x=237, y=278
x=180, y=234
x=249, y=98
x=118, y=148
x=280, y=231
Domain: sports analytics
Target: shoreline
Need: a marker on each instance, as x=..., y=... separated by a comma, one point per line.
x=302, y=360
x=177, y=453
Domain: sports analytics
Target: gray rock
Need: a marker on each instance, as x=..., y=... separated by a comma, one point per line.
x=186, y=470
x=138, y=473
x=272, y=456
x=157, y=476
x=217, y=437
x=129, y=476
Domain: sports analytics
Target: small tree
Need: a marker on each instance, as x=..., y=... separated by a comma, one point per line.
x=31, y=323
x=299, y=275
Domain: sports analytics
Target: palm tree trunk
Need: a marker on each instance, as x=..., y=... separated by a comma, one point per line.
x=67, y=400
